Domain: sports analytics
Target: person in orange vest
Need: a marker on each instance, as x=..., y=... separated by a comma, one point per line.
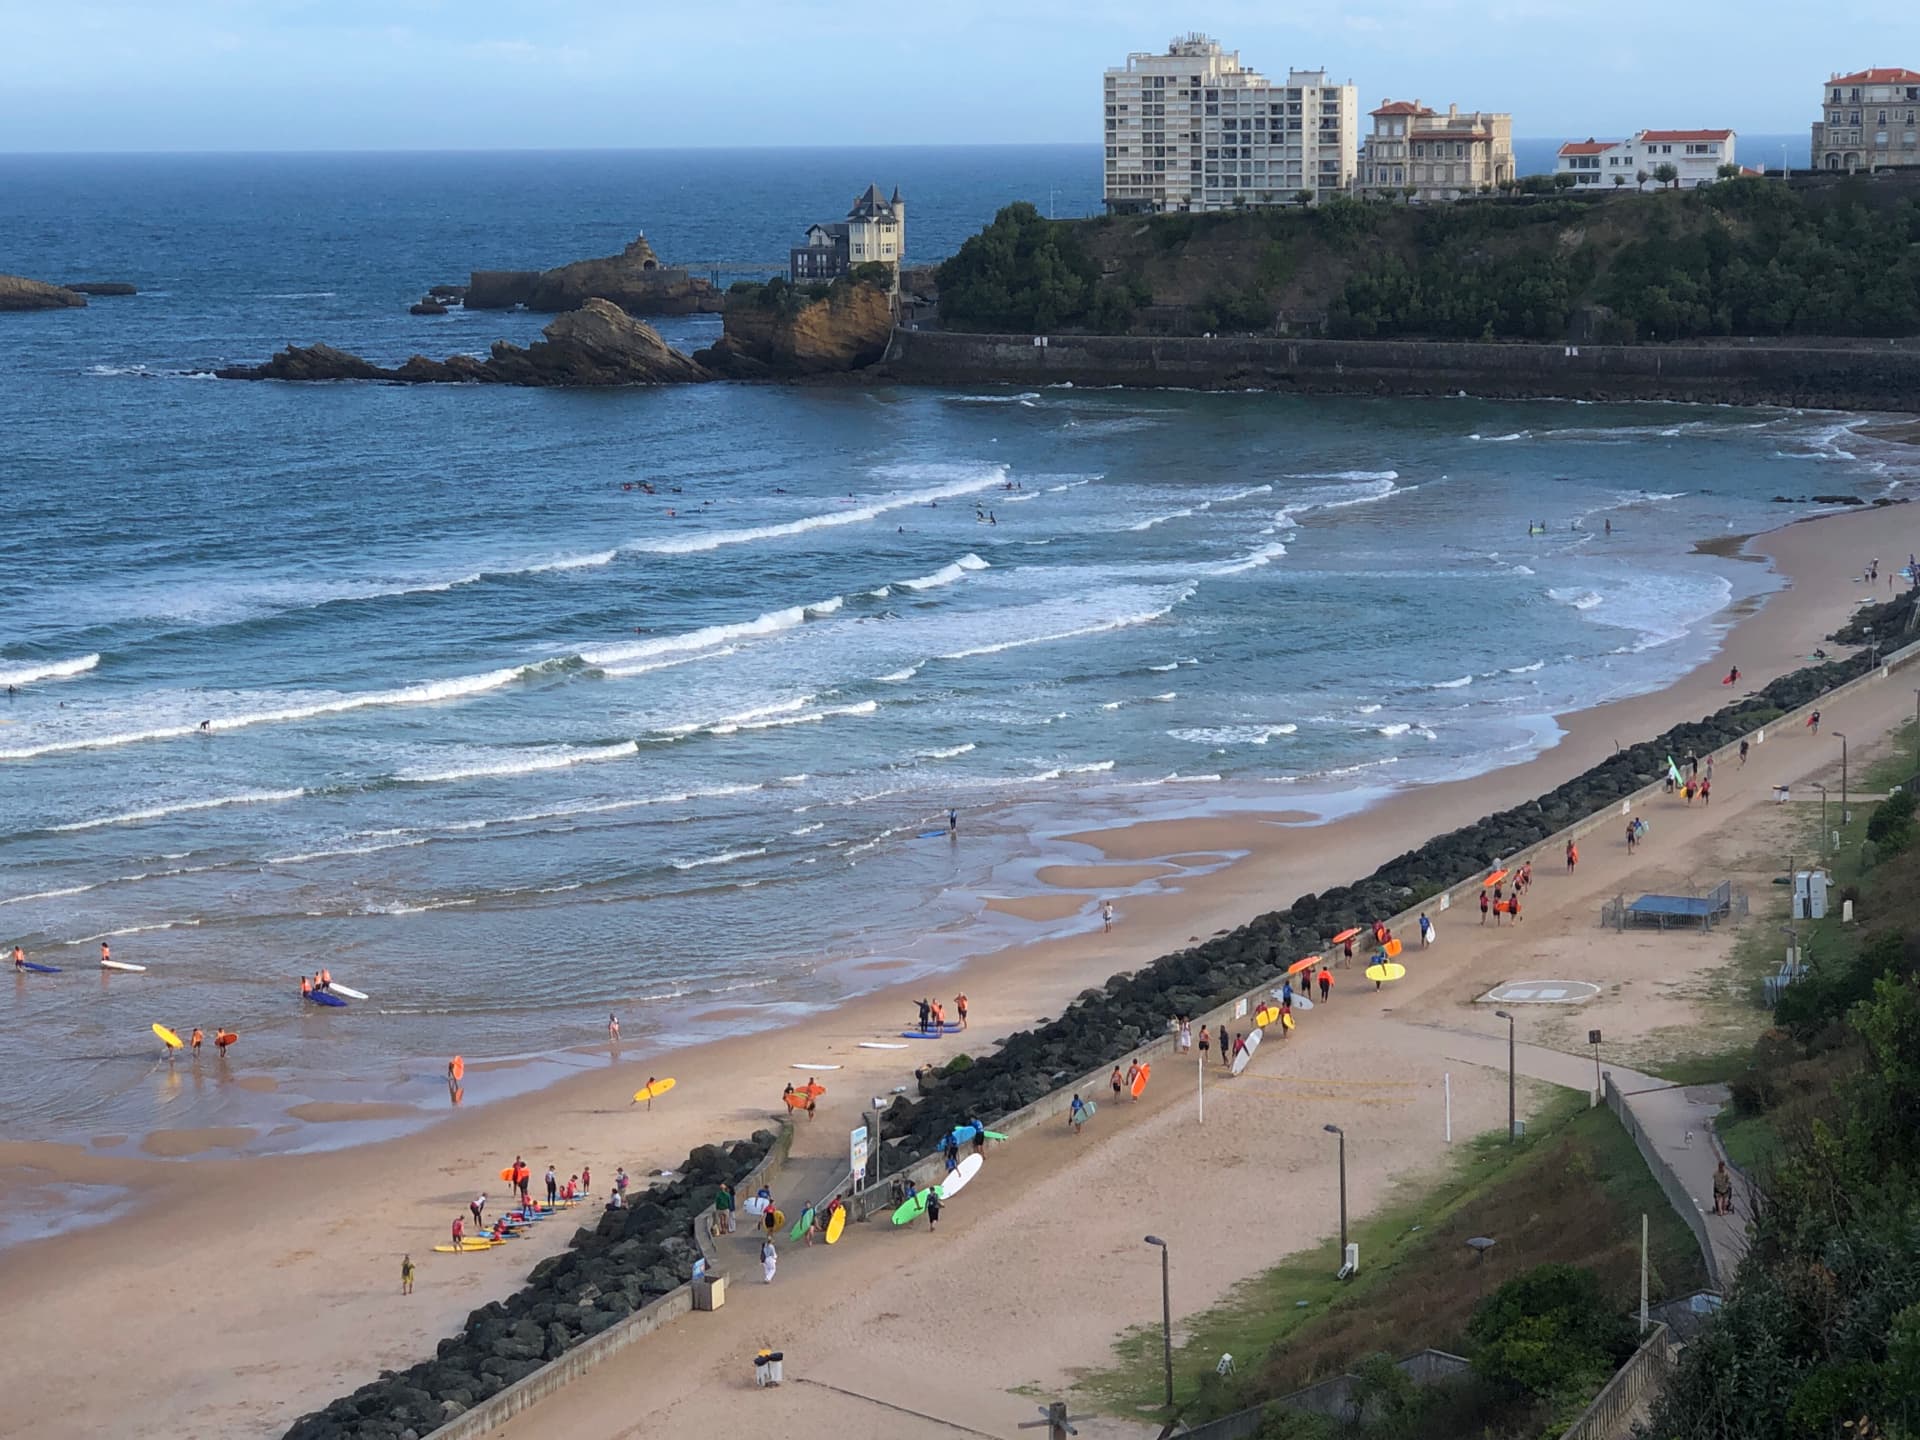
x=1326, y=982
x=306, y=988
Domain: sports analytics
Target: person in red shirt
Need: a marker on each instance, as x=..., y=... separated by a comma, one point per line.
x=1326, y=982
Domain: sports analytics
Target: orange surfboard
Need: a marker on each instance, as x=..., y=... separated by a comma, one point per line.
x=796, y=1100
x=507, y=1174
x=1312, y=960
x=1140, y=1081
x=1392, y=948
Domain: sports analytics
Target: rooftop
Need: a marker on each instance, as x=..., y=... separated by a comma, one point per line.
x=1590, y=147
x=1402, y=107
x=1885, y=76
x=1675, y=137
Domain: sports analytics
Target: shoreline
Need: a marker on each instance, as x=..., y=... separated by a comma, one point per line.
x=738, y=1079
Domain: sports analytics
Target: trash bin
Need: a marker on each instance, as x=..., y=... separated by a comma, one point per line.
x=776, y=1368
x=709, y=1292
x=768, y=1368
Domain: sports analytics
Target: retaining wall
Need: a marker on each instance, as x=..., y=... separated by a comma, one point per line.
x=493, y=1412
x=1675, y=1188
x=1851, y=378
x=1611, y=1414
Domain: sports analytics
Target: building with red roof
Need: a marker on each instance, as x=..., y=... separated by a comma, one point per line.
x=1868, y=121
x=1697, y=157
x=1417, y=151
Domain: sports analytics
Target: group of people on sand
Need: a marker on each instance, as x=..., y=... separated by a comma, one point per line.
x=1501, y=904
x=522, y=1212
x=933, y=1015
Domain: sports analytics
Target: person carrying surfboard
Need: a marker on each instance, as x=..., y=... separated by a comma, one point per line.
x=933, y=1208
x=950, y=1151
x=1076, y=1114
x=19, y=958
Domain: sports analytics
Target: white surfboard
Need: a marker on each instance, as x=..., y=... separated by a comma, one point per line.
x=755, y=1205
x=813, y=1067
x=347, y=990
x=1433, y=933
x=883, y=1044
x=1301, y=1002
x=957, y=1181
x=1245, y=1057
x=123, y=965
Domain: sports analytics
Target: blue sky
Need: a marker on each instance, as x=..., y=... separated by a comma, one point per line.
x=485, y=74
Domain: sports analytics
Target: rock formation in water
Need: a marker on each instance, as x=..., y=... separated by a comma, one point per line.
x=19, y=293
x=101, y=287
x=596, y=345
x=771, y=331
x=635, y=280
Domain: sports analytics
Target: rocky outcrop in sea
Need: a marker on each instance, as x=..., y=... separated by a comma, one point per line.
x=636, y=280
x=845, y=330
x=598, y=344
x=19, y=293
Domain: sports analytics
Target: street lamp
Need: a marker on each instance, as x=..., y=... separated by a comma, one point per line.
x=1166, y=1312
x=1823, y=815
x=1508, y=1017
x=1845, y=817
x=1336, y=1130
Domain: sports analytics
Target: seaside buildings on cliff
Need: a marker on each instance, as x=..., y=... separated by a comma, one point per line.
x=1868, y=121
x=1697, y=158
x=874, y=233
x=1424, y=155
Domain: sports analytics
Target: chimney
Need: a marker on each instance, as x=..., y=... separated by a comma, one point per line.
x=1453, y=112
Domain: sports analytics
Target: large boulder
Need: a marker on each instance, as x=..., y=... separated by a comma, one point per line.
x=635, y=280
x=19, y=293
x=101, y=287
x=768, y=334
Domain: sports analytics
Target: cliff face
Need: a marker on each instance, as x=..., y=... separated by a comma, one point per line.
x=19, y=293
x=599, y=344
x=848, y=330
x=635, y=280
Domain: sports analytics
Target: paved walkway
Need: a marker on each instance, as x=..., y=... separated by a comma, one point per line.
x=1675, y=1122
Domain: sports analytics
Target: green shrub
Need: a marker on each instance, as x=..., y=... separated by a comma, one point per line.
x=957, y=1064
x=1549, y=1331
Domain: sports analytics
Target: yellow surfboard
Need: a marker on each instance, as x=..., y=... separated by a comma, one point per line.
x=167, y=1037
x=1287, y=1020
x=653, y=1091
x=1266, y=1015
x=836, y=1225
x=1392, y=970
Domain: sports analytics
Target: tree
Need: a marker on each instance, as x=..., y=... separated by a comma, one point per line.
x=1022, y=273
x=1640, y=179
x=1619, y=181
x=1303, y=197
x=1565, y=180
x=1667, y=173
x=1549, y=1331
x=1729, y=171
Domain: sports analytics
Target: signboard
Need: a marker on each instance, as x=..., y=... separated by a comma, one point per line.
x=1240, y=1008
x=857, y=1156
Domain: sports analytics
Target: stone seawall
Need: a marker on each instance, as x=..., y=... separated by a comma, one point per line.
x=1862, y=377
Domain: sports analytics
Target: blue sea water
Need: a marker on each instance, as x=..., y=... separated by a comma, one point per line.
x=511, y=743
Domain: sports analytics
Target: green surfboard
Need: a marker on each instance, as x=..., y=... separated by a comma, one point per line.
x=912, y=1210
x=800, y=1225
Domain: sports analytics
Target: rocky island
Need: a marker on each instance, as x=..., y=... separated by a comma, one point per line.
x=598, y=344
x=19, y=293
x=636, y=280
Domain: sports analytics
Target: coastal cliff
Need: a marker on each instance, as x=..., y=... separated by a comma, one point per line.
x=774, y=330
x=635, y=280
x=598, y=344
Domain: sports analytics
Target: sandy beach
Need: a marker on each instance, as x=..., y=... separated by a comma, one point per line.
x=278, y=1280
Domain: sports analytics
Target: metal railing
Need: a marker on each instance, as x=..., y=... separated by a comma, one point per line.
x=1645, y=1370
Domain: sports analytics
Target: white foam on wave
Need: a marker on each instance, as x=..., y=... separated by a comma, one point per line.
x=346, y=850
x=1577, y=598
x=824, y=608
x=1122, y=622
x=1027, y=395
x=973, y=482
x=1346, y=475
x=810, y=717
x=1500, y=439
x=1369, y=710
x=809, y=829
x=947, y=574
x=1221, y=736
x=526, y=763
x=1526, y=669
x=707, y=637
x=157, y=812
x=727, y=858
x=1398, y=728
x=1153, y=520
x=1265, y=555
x=426, y=692
x=28, y=673
x=49, y=894
x=948, y=753
x=899, y=677
x=573, y=562
x=1176, y=778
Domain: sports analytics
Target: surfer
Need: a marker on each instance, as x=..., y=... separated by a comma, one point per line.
x=1076, y=1114
x=613, y=1028
x=926, y=1019
x=1117, y=1083
x=222, y=1038
x=206, y=727
x=406, y=1273
x=459, y=1232
x=553, y=1186
x=953, y=821
x=1205, y=1043
x=586, y=1179
x=1633, y=835
x=1239, y=1046
x=1106, y=915
x=1573, y=856
x=933, y=1208
x=1485, y=906
x=1326, y=982
x=194, y=1043
x=1813, y=724
x=950, y=1150
x=1426, y=930
x=651, y=1082
x=306, y=993
x=960, y=1006
x=106, y=952
x=477, y=1206
x=19, y=959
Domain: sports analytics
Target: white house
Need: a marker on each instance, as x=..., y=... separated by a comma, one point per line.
x=1696, y=154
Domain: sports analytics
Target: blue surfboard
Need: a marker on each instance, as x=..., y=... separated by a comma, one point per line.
x=40, y=969
x=318, y=998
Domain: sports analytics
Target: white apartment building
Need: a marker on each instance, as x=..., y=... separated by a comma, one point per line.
x=1868, y=121
x=1194, y=129
x=1696, y=154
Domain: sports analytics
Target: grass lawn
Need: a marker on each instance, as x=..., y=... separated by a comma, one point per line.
x=1572, y=1191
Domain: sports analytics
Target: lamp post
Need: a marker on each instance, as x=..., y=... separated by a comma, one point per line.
x=1823, y=817
x=1508, y=1017
x=1845, y=817
x=1166, y=1311
x=1336, y=1130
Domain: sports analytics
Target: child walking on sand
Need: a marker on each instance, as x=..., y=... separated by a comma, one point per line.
x=406, y=1273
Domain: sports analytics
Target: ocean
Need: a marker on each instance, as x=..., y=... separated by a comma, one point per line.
x=517, y=709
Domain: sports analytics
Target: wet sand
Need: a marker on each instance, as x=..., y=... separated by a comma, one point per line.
x=245, y=1236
